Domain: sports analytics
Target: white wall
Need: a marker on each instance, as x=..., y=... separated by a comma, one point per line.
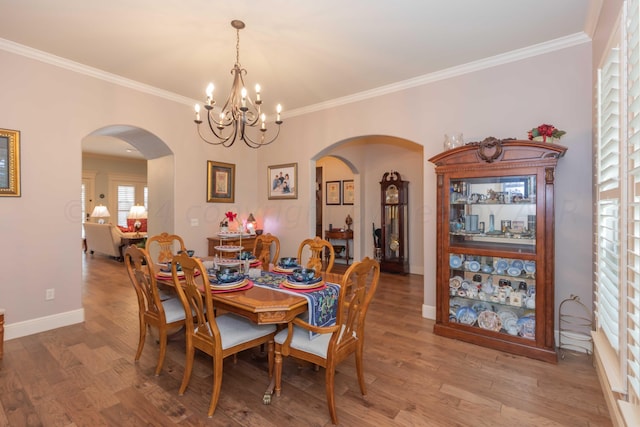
x=504, y=101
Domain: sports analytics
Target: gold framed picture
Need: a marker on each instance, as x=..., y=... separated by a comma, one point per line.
x=9, y=163
x=221, y=181
x=283, y=181
x=333, y=193
x=348, y=192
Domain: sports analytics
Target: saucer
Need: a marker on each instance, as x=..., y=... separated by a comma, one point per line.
x=455, y=261
x=473, y=266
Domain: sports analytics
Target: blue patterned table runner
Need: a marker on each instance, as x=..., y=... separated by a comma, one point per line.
x=322, y=303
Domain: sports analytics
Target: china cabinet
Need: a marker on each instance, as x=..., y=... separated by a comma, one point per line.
x=495, y=245
x=395, y=223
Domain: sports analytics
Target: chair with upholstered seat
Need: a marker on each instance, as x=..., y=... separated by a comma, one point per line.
x=336, y=342
x=316, y=247
x=166, y=316
x=262, y=250
x=162, y=247
x=167, y=246
x=218, y=336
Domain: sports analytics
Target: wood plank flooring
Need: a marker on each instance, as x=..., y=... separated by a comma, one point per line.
x=85, y=375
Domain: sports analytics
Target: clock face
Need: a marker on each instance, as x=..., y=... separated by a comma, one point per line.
x=391, y=195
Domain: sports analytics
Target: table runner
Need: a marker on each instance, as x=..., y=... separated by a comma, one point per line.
x=323, y=303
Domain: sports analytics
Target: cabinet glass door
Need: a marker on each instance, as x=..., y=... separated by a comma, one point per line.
x=392, y=232
x=493, y=293
x=492, y=212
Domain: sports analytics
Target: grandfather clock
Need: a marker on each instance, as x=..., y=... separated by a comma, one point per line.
x=395, y=223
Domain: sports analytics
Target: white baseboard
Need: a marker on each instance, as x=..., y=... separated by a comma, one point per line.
x=428, y=312
x=42, y=324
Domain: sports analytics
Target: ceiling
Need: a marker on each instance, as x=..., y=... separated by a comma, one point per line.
x=304, y=54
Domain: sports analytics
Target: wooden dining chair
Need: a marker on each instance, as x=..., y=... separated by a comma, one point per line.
x=262, y=250
x=316, y=247
x=336, y=342
x=218, y=336
x=164, y=246
x=166, y=316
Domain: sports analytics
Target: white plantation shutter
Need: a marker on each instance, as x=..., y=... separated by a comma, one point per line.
x=126, y=199
x=633, y=197
x=608, y=199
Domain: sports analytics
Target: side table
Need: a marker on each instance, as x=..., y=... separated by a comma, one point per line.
x=340, y=234
x=247, y=243
x=126, y=241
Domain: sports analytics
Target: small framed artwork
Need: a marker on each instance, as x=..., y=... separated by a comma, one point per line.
x=9, y=163
x=333, y=192
x=221, y=181
x=348, y=192
x=283, y=181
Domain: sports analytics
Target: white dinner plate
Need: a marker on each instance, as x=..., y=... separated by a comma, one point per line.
x=228, y=248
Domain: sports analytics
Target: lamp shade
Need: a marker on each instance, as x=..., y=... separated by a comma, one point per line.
x=101, y=212
x=137, y=212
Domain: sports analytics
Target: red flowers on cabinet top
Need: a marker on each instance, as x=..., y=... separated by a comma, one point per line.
x=545, y=131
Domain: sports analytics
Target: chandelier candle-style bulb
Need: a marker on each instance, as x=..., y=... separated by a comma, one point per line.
x=239, y=113
x=209, y=93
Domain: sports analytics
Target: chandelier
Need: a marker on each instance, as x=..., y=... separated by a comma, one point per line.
x=239, y=112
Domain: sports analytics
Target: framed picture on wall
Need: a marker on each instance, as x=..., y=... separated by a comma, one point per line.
x=283, y=181
x=348, y=192
x=9, y=163
x=333, y=192
x=221, y=181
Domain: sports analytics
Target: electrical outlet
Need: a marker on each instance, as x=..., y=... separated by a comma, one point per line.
x=194, y=222
x=50, y=294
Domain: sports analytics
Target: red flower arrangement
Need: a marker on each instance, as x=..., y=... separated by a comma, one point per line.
x=545, y=131
x=229, y=217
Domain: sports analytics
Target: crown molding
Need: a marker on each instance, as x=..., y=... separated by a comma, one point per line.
x=492, y=61
x=505, y=58
x=79, y=68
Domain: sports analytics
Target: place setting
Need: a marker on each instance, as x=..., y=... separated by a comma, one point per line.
x=303, y=280
x=227, y=279
x=286, y=265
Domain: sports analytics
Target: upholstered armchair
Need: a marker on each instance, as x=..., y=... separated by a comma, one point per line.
x=105, y=239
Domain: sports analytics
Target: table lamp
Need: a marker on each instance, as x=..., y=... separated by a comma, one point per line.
x=137, y=212
x=251, y=224
x=100, y=212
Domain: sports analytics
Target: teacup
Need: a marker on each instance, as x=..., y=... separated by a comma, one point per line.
x=167, y=267
x=288, y=262
x=304, y=274
x=228, y=274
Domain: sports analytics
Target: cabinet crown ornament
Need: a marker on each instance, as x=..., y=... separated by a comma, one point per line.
x=490, y=149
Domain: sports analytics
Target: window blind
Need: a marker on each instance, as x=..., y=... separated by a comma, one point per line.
x=608, y=199
x=126, y=199
x=633, y=196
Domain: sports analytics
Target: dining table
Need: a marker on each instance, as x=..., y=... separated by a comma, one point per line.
x=268, y=302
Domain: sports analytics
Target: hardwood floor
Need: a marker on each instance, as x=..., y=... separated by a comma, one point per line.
x=85, y=375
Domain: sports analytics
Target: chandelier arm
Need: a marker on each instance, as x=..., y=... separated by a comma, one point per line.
x=225, y=142
x=202, y=137
x=254, y=144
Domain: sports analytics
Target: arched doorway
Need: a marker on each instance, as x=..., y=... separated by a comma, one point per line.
x=364, y=160
x=114, y=139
